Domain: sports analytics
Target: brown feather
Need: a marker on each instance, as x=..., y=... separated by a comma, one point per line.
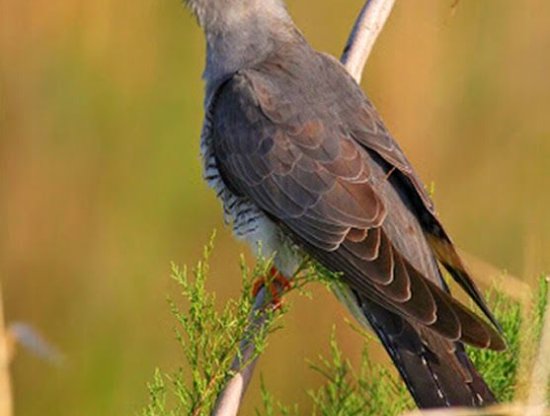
x=322, y=172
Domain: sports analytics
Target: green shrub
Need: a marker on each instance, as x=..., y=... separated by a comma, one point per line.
x=210, y=340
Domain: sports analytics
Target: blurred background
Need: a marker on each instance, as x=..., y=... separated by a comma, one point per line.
x=100, y=176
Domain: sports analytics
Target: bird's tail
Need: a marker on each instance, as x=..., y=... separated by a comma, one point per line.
x=437, y=372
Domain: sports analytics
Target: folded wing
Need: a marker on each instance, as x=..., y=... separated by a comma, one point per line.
x=321, y=165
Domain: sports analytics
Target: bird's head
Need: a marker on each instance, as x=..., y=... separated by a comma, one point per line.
x=217, y=15
x=240, y=32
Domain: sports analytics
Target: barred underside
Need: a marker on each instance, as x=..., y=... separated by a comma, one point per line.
x=238, y=211
x=248, y=221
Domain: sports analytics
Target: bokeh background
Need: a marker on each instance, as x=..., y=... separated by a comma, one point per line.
x=100, y=181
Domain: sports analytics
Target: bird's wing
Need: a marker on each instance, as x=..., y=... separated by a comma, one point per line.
x=290, y=150
x=368, y=129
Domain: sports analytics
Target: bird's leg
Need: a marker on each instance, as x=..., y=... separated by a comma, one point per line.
x=276, y=283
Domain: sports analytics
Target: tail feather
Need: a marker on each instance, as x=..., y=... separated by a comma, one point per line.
x=437, y=372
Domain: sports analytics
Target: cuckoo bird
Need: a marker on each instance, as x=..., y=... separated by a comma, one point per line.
x=304, y=166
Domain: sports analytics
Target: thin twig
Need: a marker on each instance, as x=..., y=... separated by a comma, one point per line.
x=368, y=26
x=365, y=31
x=541, y=370
x=6, y=405
x=230, y=398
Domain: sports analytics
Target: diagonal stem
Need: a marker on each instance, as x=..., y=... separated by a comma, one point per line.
x=6, y=405
x=229, y=400
x=365, y=31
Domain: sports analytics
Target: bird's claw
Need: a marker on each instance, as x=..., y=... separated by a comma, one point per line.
x=276, y=283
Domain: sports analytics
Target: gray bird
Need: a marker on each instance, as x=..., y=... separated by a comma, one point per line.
x=303, y=164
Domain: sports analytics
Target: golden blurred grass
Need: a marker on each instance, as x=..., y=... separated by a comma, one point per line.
x=100, y=188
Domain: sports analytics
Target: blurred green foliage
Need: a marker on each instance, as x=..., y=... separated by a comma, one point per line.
x=100, y=183
x=523, y=329
x=210, y=340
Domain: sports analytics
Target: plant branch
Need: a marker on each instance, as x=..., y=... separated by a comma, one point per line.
x=6, y=405
x=365, y=31
x=541, y=370
x=229, y=400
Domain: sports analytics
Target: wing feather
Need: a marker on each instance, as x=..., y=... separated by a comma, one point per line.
x=319, y=165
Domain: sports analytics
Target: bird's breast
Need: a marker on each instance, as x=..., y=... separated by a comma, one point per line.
x=249, y=222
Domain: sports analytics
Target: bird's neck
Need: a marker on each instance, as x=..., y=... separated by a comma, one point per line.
x=241, y=37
